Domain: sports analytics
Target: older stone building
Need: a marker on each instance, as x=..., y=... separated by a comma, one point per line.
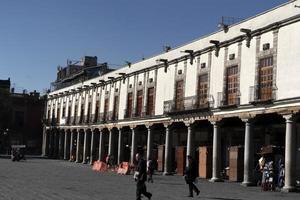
x=20, y=119
x=234, y=91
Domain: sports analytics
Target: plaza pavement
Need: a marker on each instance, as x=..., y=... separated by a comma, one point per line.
x=41, y=179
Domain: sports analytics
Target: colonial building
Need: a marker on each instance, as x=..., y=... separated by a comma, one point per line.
x=20, y=119
x=233, y=91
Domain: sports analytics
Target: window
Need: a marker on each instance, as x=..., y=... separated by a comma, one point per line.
x=202, y=90
x=150, y=101
x=232, y=85
x=81, y=113
x=139, y=105
x=265, y=84
x=179, y=103
x=106, y=107
x=116, y=106
x=88, y=113
x=96, y=112
x=129, y=105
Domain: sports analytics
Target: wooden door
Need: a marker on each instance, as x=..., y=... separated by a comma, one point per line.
x=266, y=79
x=232, y=85
x=202, y=90
x=139, y=105
x=116, y=106
x=129, y=104
x=179, y=103
x=150, y=101
x=106, y=107
x=96, y=112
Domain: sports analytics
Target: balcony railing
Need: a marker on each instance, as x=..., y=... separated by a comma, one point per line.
x=224, y=101
x=186, y=104
x=257, y=94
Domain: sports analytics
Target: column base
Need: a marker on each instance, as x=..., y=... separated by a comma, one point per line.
x=215, y=179
x=248, y=184
x=167, y=173
x=289, y=189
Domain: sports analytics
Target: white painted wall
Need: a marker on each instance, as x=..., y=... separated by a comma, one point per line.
x=247, y=73
x=288, y=62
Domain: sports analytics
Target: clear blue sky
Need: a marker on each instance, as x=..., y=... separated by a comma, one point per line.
x=38, y=35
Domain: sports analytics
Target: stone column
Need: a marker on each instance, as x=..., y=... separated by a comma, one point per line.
x=290, y=155
x=110, y=142
x=65, y=145
x=84, y=157
x=149, y=143
x=55, y=143
x=168, y=152
x=50, y=143
x=77, y=146
x=248, y=154
x=120, y=147
x=61, y=144
x=71, y=146
x=190, y=149
x=92, y=148
x=133, y=146
x=44, y=145
x=216, y=160
x=101, y=146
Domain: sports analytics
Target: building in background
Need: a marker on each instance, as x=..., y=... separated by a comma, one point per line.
x=21, y=119
x=79, y=71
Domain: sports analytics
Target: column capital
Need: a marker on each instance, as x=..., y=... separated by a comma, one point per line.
x=288, y=117
x=148, y=125
x=133, y=126
x=189, y=122
x=247, y=117
x=215, y=120
x=167, y=124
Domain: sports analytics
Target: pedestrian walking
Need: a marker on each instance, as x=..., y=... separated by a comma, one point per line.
x=190, y=176
x=141, y=177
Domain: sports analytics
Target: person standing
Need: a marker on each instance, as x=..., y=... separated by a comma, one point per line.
x=190, y=176
x=141, y=177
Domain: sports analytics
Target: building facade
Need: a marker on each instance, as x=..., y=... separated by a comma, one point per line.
x=20, y=119
x=237, y=88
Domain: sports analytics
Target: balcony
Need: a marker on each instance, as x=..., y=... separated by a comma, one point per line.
x=225, y=101
x=259, y=95
x=188, y=104
x=127, y=114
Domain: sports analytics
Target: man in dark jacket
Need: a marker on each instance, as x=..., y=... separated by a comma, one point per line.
x=190, y=176
x=141, y=178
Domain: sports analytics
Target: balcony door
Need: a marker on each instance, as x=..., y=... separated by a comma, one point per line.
x=150, y=101
x=202, y=90
x=129, y=104
x=116, y=106
x=139, y=105
x=232, y=85
x=265, y=79
x=106, y=107
x=179, y=95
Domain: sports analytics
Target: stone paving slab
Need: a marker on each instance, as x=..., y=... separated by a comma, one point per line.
x=40, y=179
